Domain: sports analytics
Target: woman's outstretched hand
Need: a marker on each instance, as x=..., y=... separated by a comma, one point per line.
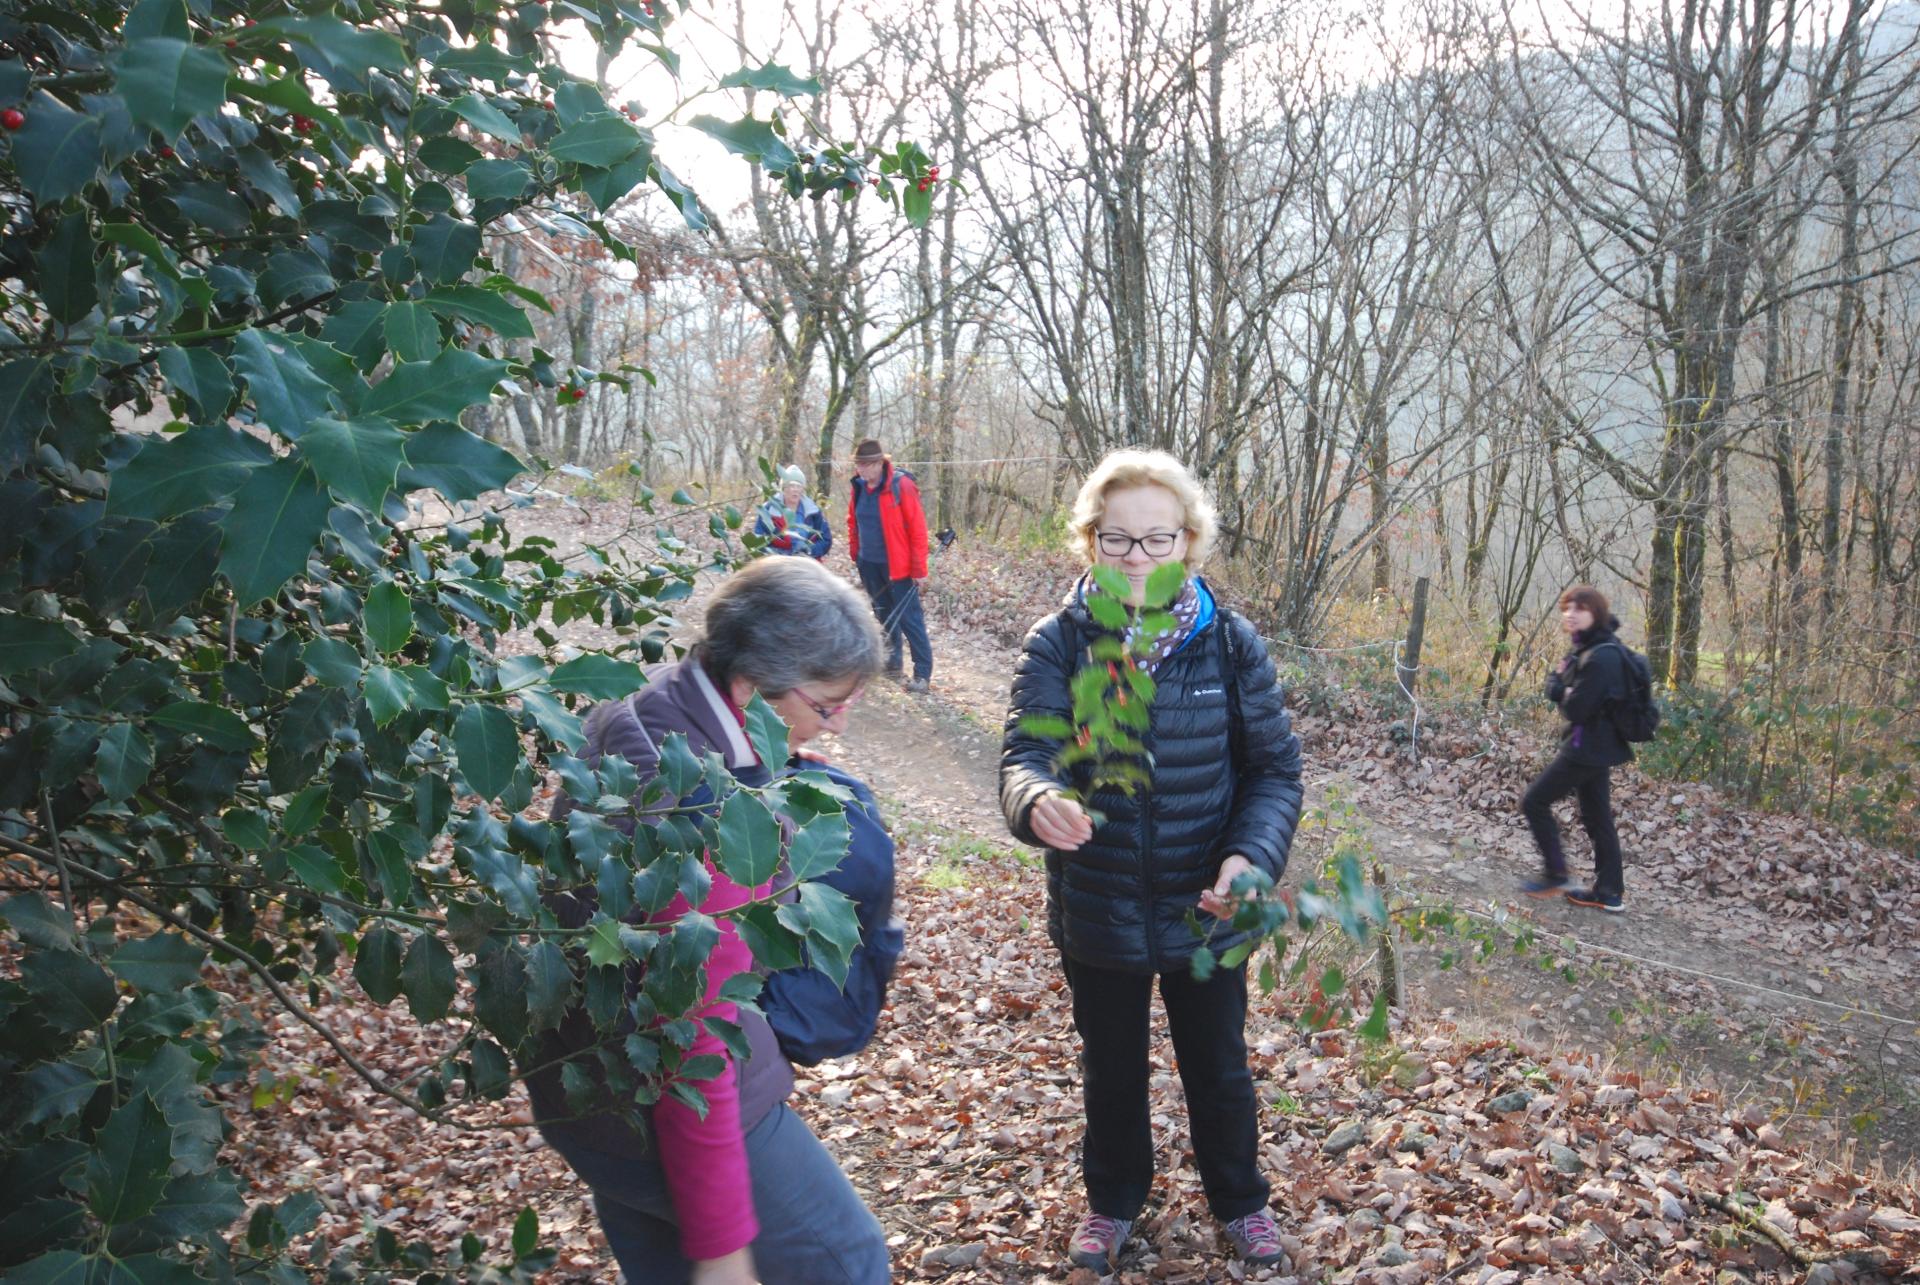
x=1060, y=822
x=1219, y=900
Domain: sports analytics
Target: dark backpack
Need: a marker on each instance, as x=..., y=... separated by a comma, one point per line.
x=1636, y=716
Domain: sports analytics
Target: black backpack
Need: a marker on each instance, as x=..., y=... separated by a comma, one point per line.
x=1636, y=716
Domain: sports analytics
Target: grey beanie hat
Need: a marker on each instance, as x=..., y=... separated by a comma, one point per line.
x=792, y=476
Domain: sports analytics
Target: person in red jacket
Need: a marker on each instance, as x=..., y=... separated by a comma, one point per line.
x=887, y=536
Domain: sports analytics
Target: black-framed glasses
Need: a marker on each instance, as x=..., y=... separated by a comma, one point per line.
x=1118, y=544
x=828, y=713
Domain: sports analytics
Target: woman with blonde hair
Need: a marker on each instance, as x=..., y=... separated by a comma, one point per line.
x=1127, y=869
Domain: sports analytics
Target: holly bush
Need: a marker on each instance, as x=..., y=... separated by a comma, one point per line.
x=279, y=683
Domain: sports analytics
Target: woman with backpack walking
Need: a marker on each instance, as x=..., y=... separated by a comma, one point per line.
x=1589, y=683
x=1127, y=872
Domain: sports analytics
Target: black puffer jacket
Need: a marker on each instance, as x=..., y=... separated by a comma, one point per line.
x=1585, y=687
x=1121, y=900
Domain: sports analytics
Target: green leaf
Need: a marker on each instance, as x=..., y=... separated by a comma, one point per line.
x=600, y=139
x=163, y=962
x=413, y=332
x=419, y=392
x=445, y=248
x=488, y=746
x=306, y=808
x=166, y=83
x=495, y=179
x=128, y=1170
x=27, y=644
x=358, y=330
x=1374, y=1029
x=1108, y=613
x=482, y=307
x=750, y=138
x=341, y=43
x=492, y=1076
x=388, y=618
x=1164, y=584
x=65, y=271
x=70, y=992
x=202, y=377
x=774, y=79
x=57, y=152
x=333, y=662
x=487, y=118
x=221, y=728
x=1111, y=582
x=247, y=829
x=195, y=1205
x=448, y=155
x=601, y=677
x=25, y=388
x=271, y=530
x=526, y=1232
x=175, y=475
x=604, y=943
x=427, y=978
x=37, y=922
x=767, y=732
x=458, y=464
x=151, y=18
x=357, y=459
x=749, y=840
x=376, y=965
x=123, y=761
x=549, y=984
x=819, y=847
x=317, y=868
x=285, y=390
x=388, y=693
x=56, y=1090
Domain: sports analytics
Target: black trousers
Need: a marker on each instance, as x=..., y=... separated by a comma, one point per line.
x=1594, y=786
x=1208, y=1023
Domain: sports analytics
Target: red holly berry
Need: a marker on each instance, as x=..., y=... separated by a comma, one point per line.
x=547, y=103
x=13, y=118
x=166, y=153
x=302, y=124
x=233, y=44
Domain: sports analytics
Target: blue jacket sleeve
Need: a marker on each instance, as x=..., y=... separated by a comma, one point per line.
x=822, y=534
x=812, y=1017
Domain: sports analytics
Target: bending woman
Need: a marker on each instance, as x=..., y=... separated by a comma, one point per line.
x=1120, y=890
x=747, y=1193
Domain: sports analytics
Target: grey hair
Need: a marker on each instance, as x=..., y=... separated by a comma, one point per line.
x=781, y=622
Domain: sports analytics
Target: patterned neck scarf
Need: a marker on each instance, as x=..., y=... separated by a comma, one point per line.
x=1184, y=609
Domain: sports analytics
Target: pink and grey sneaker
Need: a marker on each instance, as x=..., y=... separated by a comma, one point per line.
x=1097, y=1241
x=1256, y=1239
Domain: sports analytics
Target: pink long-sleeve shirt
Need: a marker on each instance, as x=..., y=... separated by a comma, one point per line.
x=706, y=1160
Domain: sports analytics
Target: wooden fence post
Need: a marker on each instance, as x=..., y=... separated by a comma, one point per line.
x=1409, y=663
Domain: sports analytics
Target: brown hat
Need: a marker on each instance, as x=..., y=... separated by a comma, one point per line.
x=869, y=450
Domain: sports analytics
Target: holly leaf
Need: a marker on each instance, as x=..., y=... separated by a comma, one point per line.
x=202, y=377
x=175, y=475
x=601, y=677
x=749, y=840
x=488, y=746
x=27, y=644
x=481, y=307
x=164, y=962
x=599, y=139
x=165, y=82
x=123, y=761
x=775, y=79
x=458, y=464
x=287, y=393
x=819, y=847
x=221, y=728
x=427, y=978
x=445, y=248
x=271, y=530
x=767, y=732
x=412, y=332
x=750, y=138
x=487, y=118
x=128, y=1168
x=420, y=392
x=57, y=152
x=357, y=459
x=377, y=964
x=388, y=618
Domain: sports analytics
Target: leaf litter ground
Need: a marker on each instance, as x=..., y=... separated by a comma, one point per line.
x=1576, y=1111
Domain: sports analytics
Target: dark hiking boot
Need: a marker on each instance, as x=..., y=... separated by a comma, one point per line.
x=1546, y=886
x=1594, y=899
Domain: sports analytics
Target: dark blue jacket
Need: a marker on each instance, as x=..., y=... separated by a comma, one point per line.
x=812, y=1018
x=1225, y=780
x=813, y=542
